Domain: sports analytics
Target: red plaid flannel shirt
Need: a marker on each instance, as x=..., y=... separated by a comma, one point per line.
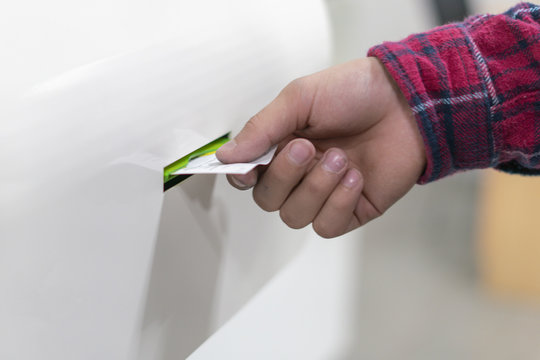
x=474, y=88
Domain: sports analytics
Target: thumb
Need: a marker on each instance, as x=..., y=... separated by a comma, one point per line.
x=279, y=119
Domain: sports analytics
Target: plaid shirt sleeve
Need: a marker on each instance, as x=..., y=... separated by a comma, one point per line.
x=474, y=88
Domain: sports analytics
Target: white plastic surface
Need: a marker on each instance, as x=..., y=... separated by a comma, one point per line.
x=95, y=261
x=305, y=312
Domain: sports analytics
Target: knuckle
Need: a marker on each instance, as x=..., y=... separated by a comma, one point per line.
x=314, y=186
x=263, y=200
x=292, y=219
x=299, y=90
x=255, y=126
x=253, y=123
x=342, y=204
x=325, y=230
x=285, y=175
x=295, y=86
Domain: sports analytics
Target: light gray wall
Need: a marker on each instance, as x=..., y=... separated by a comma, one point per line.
x=359, y=24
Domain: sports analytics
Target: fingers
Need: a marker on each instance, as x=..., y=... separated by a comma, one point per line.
x=274, y=123
x=283, y=174
x=243, y=182
x=337, y=215
x=325, y=194
x=286, y=170
x=307, y=199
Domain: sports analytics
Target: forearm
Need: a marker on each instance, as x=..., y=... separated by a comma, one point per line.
x=474, y=88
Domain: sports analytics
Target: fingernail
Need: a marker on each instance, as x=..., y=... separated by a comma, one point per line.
x=334, y=161
x=228, y=146
x=299, y=153
x=238, y=182
x=351, y=179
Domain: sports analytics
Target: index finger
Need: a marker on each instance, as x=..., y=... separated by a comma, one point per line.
x=287, y=113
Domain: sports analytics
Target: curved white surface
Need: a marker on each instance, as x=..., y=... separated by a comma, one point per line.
x=95, y=261
x=305, y=312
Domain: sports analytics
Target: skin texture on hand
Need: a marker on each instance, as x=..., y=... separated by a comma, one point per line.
x=349, y=148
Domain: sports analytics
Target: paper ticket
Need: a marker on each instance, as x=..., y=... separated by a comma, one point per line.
x=209, y=164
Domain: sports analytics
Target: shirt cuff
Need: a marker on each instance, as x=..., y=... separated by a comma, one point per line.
x=463, y=81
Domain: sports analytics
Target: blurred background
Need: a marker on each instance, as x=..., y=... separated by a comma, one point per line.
x=451, y=271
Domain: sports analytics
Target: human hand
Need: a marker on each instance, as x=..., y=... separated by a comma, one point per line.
x=349, y=148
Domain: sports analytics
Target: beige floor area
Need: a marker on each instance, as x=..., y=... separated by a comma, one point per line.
x=420, y=297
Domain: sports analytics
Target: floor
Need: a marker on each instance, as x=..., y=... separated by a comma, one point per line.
x=420, y=295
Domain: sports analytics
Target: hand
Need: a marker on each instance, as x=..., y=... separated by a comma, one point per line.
x=349, y=148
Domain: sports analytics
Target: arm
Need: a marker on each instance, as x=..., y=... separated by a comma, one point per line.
x=355, y=138
x=349, y=148
x=474, y=88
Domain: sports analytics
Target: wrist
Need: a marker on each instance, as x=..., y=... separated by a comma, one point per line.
x=400, y=114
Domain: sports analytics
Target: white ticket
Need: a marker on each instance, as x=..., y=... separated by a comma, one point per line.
x=209, y=164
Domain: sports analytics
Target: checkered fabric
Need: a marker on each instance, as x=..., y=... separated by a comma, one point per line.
x=474, y=88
